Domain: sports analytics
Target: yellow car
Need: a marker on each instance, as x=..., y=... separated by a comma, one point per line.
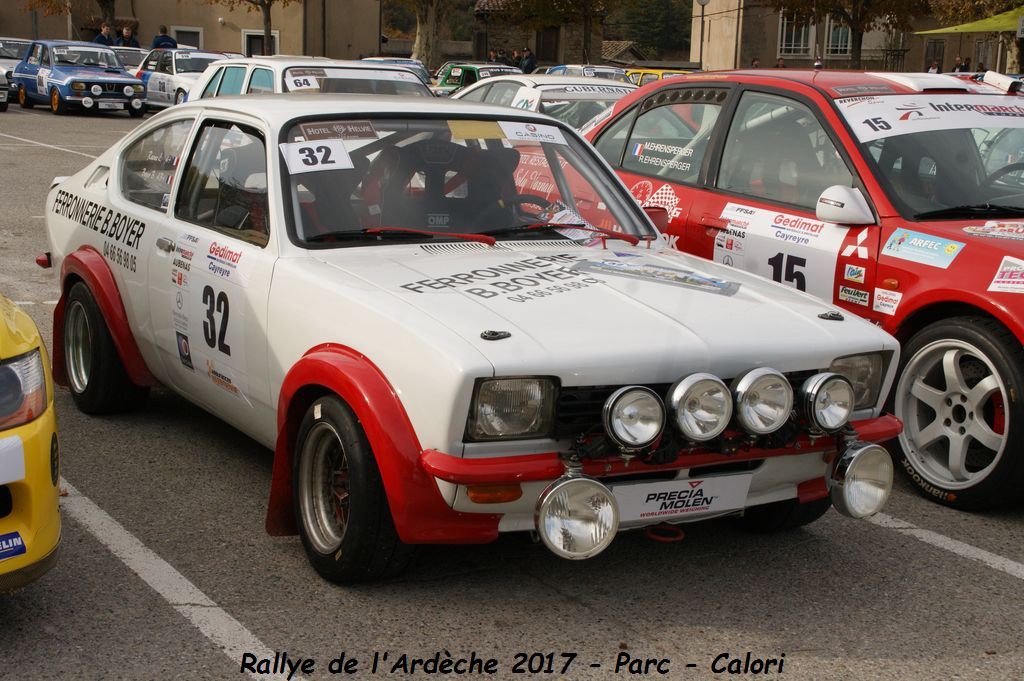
x=642, y=77
x=29, y=453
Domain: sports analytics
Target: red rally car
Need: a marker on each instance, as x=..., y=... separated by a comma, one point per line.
x=899, y=197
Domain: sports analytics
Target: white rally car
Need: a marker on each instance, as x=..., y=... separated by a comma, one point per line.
x=571, y=99
x=170, y=73
x=436, y=353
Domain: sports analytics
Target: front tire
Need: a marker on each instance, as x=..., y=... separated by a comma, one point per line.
x=781, y=516
x=23, y=99
x=179, y=96
x=57, y=104
x=96, y=377
x=136, y=113
x=340, y=504
x=958, y=395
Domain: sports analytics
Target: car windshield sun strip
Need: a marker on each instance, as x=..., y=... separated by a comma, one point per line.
x=631, y=239
x=983, y=208
x=407, y=232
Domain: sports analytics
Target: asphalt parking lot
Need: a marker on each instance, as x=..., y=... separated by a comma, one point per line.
x=166, y=571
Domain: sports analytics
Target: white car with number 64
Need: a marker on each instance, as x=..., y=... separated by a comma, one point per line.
x=374, y=288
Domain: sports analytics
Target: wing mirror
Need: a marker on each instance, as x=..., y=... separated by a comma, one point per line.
x=844, y=206
x=658, y=215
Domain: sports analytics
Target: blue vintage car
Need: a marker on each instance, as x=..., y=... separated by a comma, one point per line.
x=67, y=74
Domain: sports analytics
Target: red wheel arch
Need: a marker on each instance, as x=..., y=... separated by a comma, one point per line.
x=89, y=266
x=420, y=513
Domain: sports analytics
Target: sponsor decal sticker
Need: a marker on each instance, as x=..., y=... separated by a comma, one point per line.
x=681, y=497
x=854, y=273
x=12, y=459
x=919, y=247
x=11, y=545
x=531, y=132
x=886, y=301
x=853, y=295
x=345, y=130
x=998, y=230
x=122, y=233
x=644, y=193
x=221, y=379
x=184, y=351
x=874, y=118
x=1009, y=277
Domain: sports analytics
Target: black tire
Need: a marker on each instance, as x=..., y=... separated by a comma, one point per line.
x=103, y=387
x=780, y=516
x=58, y=106
x=137, y=113
x=3, y=104
x=990, y=477
x=179, y=96
x=23, y=99
x=368, y=548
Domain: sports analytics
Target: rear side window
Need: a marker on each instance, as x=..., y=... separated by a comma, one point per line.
x=225, y=182
x=502, y=94
x=613, y=140
x=149, y=164
x=232, y=80
x=477, y=95
x=776, y=150
x=211, y=87
x=670, y=141
x=261, y=80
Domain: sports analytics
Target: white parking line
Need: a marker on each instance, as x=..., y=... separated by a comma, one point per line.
x=215, y=624
x=994, y=561
x=48, y=146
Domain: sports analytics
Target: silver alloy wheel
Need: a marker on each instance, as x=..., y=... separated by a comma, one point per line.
x=179, y=97
x=324, y=488
x=77, y=346
x=948, y=397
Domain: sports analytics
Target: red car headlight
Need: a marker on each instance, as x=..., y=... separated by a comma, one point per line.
x=22, y=389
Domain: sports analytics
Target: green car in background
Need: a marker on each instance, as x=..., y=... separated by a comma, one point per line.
x=455, y=75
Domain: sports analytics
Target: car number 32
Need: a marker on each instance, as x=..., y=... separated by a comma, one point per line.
x=216, y=304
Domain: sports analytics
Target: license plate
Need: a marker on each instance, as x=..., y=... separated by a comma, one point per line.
x=111, y=105
x=659, y=501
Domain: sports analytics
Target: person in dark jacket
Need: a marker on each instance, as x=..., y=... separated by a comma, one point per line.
x=528, y=62
x=162, y=40
x=127, y=38
x=104, y=37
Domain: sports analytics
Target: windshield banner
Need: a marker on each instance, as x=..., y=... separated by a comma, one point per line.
x=873, y=118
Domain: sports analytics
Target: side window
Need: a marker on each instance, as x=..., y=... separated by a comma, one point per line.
x=670, y=141
x=164, y=65
x=468, y=78
x=211, y=87
x=33, y=57
x=231, y=81
x=261, y=80
x=612, y=141
x=477, y=95
x=776, y=150
x=225, y=183
x=45, y=58
x=149, y=164
x=648, y=78
x=151, y=62
x=503, y=93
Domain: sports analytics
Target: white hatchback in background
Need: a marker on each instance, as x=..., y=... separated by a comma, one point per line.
x=12, y=50
x=169, y=74
x=574, y=100
x=282, y=73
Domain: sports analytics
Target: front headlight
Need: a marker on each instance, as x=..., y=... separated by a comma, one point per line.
x=634, y=417
x=701, y=405
x=78, y=86
x=865, y=373
x=96, y=90
x=22, y=390
x=138, y=88
x=128, y=90
x=764, y=400
x=511, y=409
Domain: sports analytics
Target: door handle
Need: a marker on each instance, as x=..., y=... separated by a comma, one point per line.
x=713, y=221
x=165, y=244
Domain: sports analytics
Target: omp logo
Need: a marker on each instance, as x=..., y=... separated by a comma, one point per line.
x=438, y=219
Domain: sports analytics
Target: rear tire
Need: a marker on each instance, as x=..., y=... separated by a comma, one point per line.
x=96, y=376
x=781, y=516
x=341, y=506
x=23, y=99
x=3, y=104
x=179, y=96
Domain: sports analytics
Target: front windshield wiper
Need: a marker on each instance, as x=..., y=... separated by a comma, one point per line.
x=629, y=238
x=969, y=210
x=398, y=231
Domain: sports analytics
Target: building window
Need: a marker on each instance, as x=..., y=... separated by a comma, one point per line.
x=252, y=42
x=838, y=39
x=795, y=37
x=191, y=36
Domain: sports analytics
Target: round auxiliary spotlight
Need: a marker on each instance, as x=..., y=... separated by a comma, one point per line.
x=634, y=417
x=701, y=406
x=763, y=400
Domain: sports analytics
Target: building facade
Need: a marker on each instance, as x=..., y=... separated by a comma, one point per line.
x=562, y=44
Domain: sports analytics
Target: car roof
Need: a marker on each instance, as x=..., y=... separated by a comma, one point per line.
x=278, y=109
x=286, y=61
x=20, y=40
x=71, y=43
x=607, y=67
x=839, y=84
x=546, y=80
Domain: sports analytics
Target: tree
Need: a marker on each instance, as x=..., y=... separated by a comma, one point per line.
x=542, y=13
x=963, y=11
x=263, y=6
x=53, y=7
x=656, y=25
x=860, y=16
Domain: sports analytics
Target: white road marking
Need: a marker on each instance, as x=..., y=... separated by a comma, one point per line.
x=48, y=146
x=23, y=303
x=37, y=217
x=218, y=626
x=994, y=561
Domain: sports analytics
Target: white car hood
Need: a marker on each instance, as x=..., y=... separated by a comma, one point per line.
x=604, y=316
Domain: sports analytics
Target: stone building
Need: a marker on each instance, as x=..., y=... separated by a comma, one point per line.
x=551, y=44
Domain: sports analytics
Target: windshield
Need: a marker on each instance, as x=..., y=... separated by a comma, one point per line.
x=944, y=157
x=12, y=49
x=193, y=62
x=504, y=178
x=131, y=58
x=85, y=56
x=575, y=112
x=354, y=81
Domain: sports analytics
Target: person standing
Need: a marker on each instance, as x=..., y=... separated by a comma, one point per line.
x=781, y=63
x=162, y=40
x=529, y=62
x=958, y=65
x=934, y=68
x=127, y=38
x=104, y=37
x=514, y=61
x=755, y=63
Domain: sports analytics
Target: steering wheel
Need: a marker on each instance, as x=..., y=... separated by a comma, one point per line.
x=1005, y=170
x=517, y=200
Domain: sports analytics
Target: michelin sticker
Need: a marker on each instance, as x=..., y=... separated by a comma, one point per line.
x=11, y=545
x=1009, y=277
x=662, y=274
x=998, y=230
x=886, y=301
x=919, y=247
